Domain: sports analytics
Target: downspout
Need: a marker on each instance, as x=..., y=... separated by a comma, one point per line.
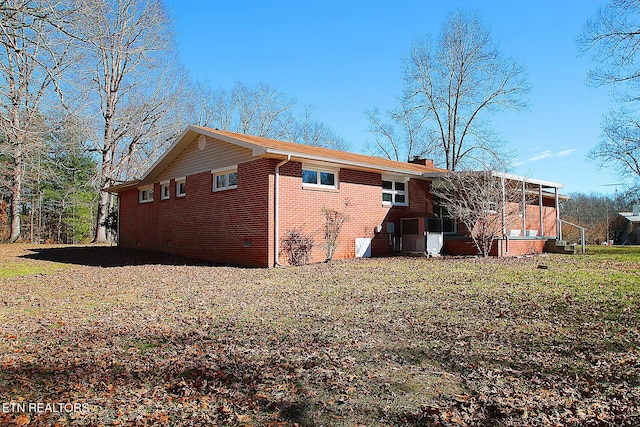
x=118, y=223
x=276, y=216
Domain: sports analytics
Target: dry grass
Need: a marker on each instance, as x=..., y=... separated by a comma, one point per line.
x=147, y=339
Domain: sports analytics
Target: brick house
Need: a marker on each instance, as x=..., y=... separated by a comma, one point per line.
x=229, y=198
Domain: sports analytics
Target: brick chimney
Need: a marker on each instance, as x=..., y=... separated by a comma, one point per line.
x=424, y=162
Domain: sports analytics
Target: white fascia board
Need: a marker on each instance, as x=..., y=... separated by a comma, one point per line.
x=123, y=186
x=213, y=134
x=295, y=155
x=509, y=176
x=527, y=179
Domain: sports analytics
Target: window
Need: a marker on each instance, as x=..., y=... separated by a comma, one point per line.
x=449, y=224
x=181, y=187
x=225, y=179
x=145, y=194
x=394, y=191
x=318, y=177
x=165, y=192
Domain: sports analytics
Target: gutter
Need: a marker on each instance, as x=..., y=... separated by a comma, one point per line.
x=276, y=216
x=357, y=164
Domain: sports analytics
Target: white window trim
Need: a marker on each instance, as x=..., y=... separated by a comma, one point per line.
x=178, y=181
x=319, y=170
x=223, y=171
x=141, y=190
x=164, y=184
x=394, y=192
x=439, y=214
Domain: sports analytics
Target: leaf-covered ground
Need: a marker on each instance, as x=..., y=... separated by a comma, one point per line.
x=134, y=338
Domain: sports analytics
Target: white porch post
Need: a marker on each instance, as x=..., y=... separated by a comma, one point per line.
x=558, y=224
x=524, y=209
x=504, y=208
x=540, y=208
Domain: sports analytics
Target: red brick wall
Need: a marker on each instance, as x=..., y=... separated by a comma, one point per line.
x=533, y=219
x=516, y=247
x=230, y=227
x=302, y=207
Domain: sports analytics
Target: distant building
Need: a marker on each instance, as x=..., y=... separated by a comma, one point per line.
x=634, y=218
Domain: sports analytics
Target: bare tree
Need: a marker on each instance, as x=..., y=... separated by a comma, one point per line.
x=309, y=131
x=333, y=222
x=454, y=87
x=135, y=88
x=620, y=144
x=405, y=143
x=262, y=111
x=484, y=202
x=33, y=58
x=614, y=40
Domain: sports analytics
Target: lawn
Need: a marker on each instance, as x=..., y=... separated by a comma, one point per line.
x=111, y=337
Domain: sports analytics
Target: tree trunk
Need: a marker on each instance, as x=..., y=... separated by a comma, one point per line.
x=104, y=199
x=16, y=187
x=16, y=195
x=103, y=208
x=106, y=178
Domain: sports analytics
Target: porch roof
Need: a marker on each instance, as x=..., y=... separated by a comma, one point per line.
x=512, y=177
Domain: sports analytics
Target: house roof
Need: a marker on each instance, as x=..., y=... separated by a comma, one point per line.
x=271, y=148
x=508, y=176
x=266, y=147
x=630, y=216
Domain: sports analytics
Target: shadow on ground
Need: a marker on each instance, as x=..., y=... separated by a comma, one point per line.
x=108, y=256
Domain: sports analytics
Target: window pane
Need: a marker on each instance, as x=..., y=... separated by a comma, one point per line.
x=387, y=197
x=181, y=188
x=400, y=198
x=448, y=225
x=309, y=177
x=233, y=179
x=221, y=181
x=399, y=186
x=387, y=185
x=327, y=178
x=165, y=191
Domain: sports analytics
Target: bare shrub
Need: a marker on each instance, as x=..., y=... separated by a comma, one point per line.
x=297, y=246
x=333, y=222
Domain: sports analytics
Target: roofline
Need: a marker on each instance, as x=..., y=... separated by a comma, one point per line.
x=505, y=175
x=296, y=155
x=260, y=151
x=526, y=179
x=123, y=186
x=166, y=153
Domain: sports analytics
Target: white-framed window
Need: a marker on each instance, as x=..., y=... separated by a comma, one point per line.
x=449, y=223
x=181, y=187
x=395, y=191
x=165, y=191
x=145, y=194
x=319, y=177
x=225, y=179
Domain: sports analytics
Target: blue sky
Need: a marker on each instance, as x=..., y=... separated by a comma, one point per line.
x=344, y=57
